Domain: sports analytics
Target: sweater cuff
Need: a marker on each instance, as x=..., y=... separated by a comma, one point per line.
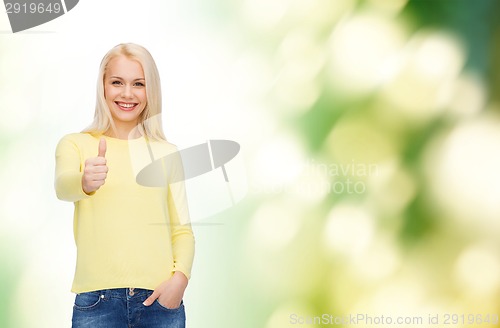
x=183, y=270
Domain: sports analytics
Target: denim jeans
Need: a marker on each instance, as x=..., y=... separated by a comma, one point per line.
x=122, y=308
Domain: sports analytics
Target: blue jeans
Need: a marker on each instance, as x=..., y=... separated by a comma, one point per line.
x=122, y=308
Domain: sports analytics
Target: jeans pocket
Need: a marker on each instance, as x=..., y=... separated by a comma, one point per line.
x=169, y=309
x=87, y=301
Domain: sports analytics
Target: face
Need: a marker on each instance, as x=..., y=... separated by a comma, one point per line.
x=125, y=91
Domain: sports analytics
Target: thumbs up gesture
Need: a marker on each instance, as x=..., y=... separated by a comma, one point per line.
x=96, y=170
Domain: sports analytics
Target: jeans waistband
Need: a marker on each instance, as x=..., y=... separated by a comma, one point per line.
x=123, y=292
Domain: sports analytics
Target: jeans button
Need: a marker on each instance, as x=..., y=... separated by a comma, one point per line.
x=131, y=292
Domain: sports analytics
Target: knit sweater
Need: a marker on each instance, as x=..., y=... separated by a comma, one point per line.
x=126, y=234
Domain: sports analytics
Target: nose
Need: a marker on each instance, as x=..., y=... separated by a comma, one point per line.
x=127, y=92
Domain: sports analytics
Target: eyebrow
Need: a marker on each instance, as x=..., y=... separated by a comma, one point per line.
x=117, y=77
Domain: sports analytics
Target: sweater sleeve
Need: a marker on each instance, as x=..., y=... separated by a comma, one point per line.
x=68, y=172
x=181, y=231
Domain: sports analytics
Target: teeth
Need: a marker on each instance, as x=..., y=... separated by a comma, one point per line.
x=126, y=105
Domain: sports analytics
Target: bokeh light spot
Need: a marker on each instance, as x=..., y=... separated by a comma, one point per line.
x=477, y=271
x=359, y=48
x=349, y=229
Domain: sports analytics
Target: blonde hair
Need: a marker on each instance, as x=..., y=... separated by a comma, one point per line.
x=150, y=119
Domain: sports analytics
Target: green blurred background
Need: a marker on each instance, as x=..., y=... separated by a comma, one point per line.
x=370, y=134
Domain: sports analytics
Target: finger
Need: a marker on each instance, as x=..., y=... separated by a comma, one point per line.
x=92, y=170
x=93, y=161
x=99, y=168
x=96, y=162
x=99, y=177
x=151, y=298
x=102, y=148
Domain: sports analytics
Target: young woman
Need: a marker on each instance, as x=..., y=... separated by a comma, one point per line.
x=135, y=246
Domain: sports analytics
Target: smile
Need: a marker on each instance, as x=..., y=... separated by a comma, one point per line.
x=126, y=106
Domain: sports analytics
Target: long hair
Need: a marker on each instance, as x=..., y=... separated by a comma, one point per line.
x=149, y=123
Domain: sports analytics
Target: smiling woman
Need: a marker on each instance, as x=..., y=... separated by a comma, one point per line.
x=128, y=76
x=125, y=92
x=131, y=269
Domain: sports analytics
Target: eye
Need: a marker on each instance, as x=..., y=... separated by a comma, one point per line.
x=139, y=84
x=116, y=83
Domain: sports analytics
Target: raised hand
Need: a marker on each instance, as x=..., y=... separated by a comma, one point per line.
x=96, y=170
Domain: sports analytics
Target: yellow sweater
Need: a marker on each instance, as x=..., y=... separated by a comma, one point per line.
x=127, y=235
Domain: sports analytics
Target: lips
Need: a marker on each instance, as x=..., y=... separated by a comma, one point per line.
x=125, y=106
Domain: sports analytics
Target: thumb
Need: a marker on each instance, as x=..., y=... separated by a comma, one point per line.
x=102, y=148
x=151, y=298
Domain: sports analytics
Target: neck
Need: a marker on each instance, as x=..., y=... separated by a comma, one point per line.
x=123, y=132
